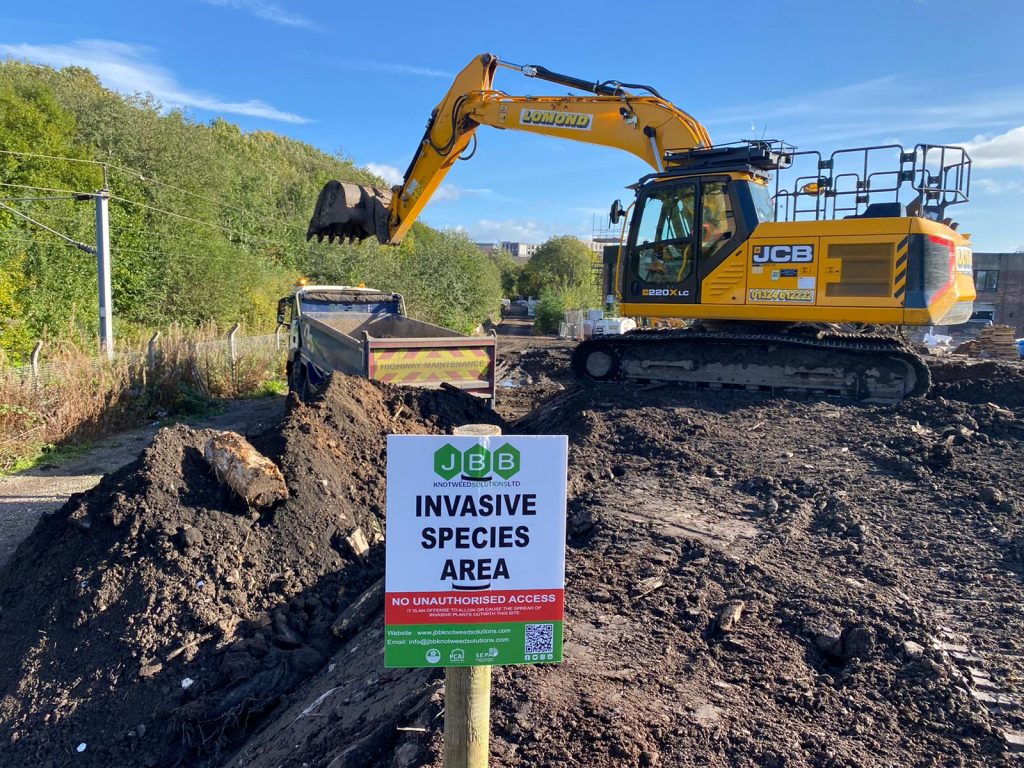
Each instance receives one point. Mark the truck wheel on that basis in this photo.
(299, 382)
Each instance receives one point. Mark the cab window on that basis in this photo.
(664, 242)
(764, 205)
(717, 223)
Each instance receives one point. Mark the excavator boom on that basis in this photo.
(644, 125)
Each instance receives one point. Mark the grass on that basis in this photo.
(79, 398)
(44, 455)
(272, 388)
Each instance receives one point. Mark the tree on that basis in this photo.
(561, 263)
(509, 270)
(207, 222)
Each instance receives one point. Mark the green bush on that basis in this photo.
(206, 221)
(549, 312)
(561, 262)
(555, 302)
(510, 273)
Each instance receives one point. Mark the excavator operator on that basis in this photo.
(665, 235)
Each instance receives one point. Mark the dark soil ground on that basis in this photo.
(158, 577)
(751, 581)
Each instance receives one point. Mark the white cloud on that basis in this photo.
(1005, 150)
(866, 111)
(998, 187)
(265, 9)
(389, 173)
(515, 230)
(123, 67)
(448, 193)
(388, 68)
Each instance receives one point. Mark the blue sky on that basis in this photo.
(362, 78)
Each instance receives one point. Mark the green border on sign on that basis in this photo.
(472, 645)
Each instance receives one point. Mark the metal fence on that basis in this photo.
(229, 349)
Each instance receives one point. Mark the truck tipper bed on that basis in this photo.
(366, 332)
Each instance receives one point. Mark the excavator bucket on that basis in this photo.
(350, 212)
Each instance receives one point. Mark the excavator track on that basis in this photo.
(857, 366)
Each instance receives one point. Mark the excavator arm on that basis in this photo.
(614, 116)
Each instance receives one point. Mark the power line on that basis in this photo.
(143, 177)
(49, 157)
(178, 215)
(239, 233)
(44, 189)
(129, 235)
(130, 171)
(213, 200)
(61, 235)
(30, 239)
(35, 199)
(164, 254)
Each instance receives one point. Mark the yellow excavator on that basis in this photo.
(793, 287)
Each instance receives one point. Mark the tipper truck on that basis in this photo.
(366, 332)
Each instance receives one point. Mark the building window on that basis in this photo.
(986, 280)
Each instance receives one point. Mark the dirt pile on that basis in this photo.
(530, 370)
(156, 619)
(751, 581)
(978, 382)
(872, 555)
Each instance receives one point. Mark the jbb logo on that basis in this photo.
(476, 463)
(783, 254)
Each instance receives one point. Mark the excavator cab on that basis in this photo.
(688, 219)
(758, 231)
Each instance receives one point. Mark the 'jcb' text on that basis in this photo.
(783, 254)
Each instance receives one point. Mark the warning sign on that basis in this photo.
(475, 562)
(426, 366)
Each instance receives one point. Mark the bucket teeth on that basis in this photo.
(350, 213)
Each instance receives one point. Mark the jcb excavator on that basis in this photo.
(766, 273)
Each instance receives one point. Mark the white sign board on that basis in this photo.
(475, 567)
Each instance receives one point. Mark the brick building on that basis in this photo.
(999, 279)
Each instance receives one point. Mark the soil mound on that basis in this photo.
(871, 549)
(156, 618)
(751, 581)
(978, 382)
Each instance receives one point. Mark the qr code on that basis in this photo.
(540, 638)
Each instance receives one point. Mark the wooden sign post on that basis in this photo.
(467, 690)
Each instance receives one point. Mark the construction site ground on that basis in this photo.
(752, 580)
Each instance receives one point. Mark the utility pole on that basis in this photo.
(102, 198)
(101, 251)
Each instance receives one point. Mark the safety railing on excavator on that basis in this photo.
(883, 180)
